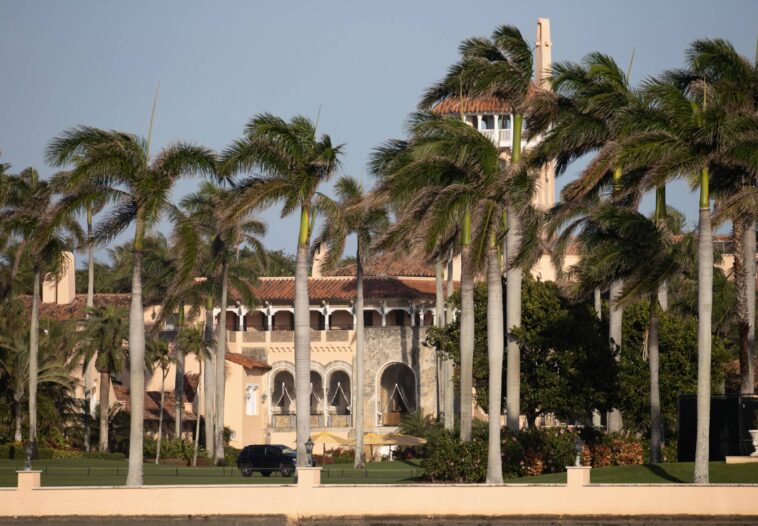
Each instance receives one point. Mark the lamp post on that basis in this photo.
(578, 446)
(29, 450)
(309, 451)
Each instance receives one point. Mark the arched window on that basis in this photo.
(397, 394)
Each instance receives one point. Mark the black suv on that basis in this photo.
(267, 459)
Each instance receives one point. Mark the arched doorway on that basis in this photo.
(283, 400)
(339, 399)
(397, 394)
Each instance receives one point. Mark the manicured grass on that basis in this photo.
(91, 472)
(673, 473)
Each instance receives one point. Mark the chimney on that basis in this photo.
(318, 260)
(543, 55)
(61, 290)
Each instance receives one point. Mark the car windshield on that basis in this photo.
(288, 451)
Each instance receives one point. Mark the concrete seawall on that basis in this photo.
(309, 500)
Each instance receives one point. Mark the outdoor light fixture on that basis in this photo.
(29, 450)
(578, 446)
(309, 450)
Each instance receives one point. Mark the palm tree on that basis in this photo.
(351, 215)
(193, 341)
(294, 162)
(736, 80)
(500, 67)
(113, 158)
(445, 177)
(90, 199)
(105, 334)
(590, 108)
(697, 135)
(158, 354)
(621, 244)
(224, 234)
(30, 213)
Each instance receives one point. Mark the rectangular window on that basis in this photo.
(251, 400)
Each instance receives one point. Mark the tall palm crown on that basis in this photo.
(500, 66)
(116, 159)
(293, 162)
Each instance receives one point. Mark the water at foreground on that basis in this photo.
(388, 521)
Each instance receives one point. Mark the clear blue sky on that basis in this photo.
(365, 64)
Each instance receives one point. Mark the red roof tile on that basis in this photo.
(152, 404)
(246, 361)
(76, 309)
(338, 288)
(476, 104)
(388, 265)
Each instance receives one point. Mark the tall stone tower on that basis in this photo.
(545, 197)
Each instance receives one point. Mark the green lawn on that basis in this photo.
(80, 472)
(90, 472)
(720, 473)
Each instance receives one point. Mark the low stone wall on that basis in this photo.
(310, 499)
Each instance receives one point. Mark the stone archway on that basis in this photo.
(397, 393)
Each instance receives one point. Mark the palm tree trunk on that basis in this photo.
(33, 356)
(655, 395)
(439, 318)
(749, 248)
(197, 415)
(513, 320)
(449, 379)
(495, 355)
(467, 330)
(704, 307)
(598, 304)
(179, 377)
(359, 366)
(105, 391)
(302, 343)
(164, 372)
(18, 407)
(218, 440)
(660, 219)
(209, 378)
(89, 366)
(741, 286)
(615, 317)
(137, 360)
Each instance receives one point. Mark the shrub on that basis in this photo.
(452, 461)
(173, 448)
(547, 449)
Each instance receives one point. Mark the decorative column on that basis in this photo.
(327, 315)
(384, 314)
(269, 316)
(413, 315)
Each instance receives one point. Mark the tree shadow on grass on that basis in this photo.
(662, 473)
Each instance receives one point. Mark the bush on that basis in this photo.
(449, 460)
(12, 450)
(547, 449)
(103, 455)
(173, 448)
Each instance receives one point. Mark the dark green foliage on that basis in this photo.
(678, 369)
(567, 367)
(173, 448)
(280, 263)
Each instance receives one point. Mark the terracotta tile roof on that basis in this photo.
(477, 104)
(338, 288)
(76, 309)
(246, 361)
(152, 404)
(388, 265)
(191, 382)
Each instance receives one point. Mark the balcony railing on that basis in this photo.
(289, 421)
(504, 136)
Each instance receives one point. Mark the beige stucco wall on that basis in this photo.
(308, 498)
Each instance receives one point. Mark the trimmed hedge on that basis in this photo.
(16, 451)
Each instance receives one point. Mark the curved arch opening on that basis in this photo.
(397, 394)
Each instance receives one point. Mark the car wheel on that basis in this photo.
(287, 470)
(246, 469)
(266, 472)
